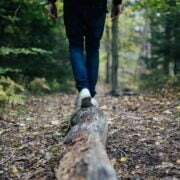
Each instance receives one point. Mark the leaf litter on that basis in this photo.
(143, 140)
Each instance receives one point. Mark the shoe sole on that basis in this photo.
(86, 102)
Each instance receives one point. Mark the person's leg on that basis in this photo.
(93, 33)
(75, 33)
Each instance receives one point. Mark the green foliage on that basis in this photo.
(3, 96)
(31, 45)
(55, 85)
(67, 87)
(4, 71)
(162, 33)
(8, 83)
(156, 80)
(130, 39)
(4, 51)
(39, 84)
(11, 92)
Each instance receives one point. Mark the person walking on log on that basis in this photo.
(84, 24)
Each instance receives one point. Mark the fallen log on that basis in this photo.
(86, 157)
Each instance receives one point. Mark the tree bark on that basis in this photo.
(108, 55)
(167, 53)
(86, 157)
(115, 56)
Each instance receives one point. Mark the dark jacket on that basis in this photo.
(114, 1)
(91, 3)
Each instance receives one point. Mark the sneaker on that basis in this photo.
(94, 102)
(83, 98)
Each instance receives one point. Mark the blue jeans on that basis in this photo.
(84, 28)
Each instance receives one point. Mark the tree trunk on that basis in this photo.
(176, 37)
(169, 28)
(167, 53)
(108, 55)
(86, 157)
(115, 56)
(176, 64)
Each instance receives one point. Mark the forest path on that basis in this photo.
(143, 135)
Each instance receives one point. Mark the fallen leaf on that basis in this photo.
(1, 131)
(167, 112)
(178, 108)
(157, 143)
(35, 133)
(123, 159)
(55, 122)
(84, 149)
(178, 161)
(14, 170)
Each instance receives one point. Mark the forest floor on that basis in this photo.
(142, 142)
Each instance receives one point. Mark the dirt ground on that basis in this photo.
(143, 140)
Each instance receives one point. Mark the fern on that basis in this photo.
(18, 88)
(4, 51)
(39, 84)
(7, 82)
(3, 95)
(4, 70)
(10, 91)
(16, 99)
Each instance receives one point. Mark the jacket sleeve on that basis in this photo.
(114, 1)
(117, 1)
(51, 1)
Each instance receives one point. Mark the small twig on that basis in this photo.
(7, 159)
(123, 153)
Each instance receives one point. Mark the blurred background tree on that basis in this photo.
(148, 44)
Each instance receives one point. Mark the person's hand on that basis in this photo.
(52, 11)
(116, 10)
